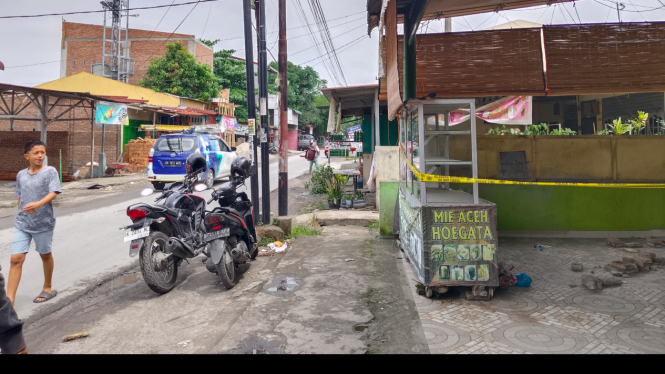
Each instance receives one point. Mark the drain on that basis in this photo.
(360, 328)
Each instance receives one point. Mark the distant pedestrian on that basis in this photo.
(36, 187)
(11, 328)
(314, 151)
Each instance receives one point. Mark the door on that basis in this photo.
(214, 156)
(171, 153)
(227, 157)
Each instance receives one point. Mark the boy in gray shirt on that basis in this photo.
(36, 187)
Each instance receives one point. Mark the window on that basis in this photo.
(83, 62)
(73, 62)
(176, 144)
(214, 145)
(223, 147)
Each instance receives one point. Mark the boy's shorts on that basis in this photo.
(22, 241)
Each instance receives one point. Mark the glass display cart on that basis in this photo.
(448, 234)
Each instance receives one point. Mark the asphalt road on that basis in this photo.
(87, 243)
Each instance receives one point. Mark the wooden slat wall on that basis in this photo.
(605, 58)
(481, 63)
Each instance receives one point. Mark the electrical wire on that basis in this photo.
(101, 11)
(317, 11)
(207, 18)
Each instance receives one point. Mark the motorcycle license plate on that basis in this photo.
(173, 164)
(137, 234)
(217, 234)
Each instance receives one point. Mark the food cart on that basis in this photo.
(449, 235)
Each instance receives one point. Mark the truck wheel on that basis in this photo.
(210, 178)
(226, 269)
(158, 281)
(158, 185)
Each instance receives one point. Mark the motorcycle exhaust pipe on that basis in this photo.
(240, 252)
(177, 248)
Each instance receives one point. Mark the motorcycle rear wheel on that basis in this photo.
(160, 282)
(226, 269)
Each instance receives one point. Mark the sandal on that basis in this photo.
(46, 296)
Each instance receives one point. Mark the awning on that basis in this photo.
(167, 128)
(190, 111)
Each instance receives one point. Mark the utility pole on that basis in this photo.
(251, 107)
(283, 171)
(263, 99)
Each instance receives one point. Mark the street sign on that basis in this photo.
(251, 127)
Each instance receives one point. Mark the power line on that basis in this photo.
(207, 18)
(101, 11)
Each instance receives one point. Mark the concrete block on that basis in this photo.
(592, 282)
(647, 254)
(285, 223)
(270, 231)
(609, 281)
(576, 266)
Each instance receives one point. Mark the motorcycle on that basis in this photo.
(166, 234)
(230, 228)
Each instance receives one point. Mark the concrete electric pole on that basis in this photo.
(251, 107)
(263, 108)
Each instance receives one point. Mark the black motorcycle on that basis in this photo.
(166, 234)
(230, 227)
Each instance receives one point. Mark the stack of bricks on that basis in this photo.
(136, 153)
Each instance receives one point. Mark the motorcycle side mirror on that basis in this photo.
(233, 149)
(147, 192)
(200, 187)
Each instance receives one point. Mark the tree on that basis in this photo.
(304, 94)
(178, 73)
(231, 74)
(209, 43)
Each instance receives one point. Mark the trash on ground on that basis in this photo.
(348, 259)
(96, 187)
(592, 282)
(523, 280)
(278, 248)
(78, 335)
(542, 247)
(576, 266)
(184, 343)
(88, 164)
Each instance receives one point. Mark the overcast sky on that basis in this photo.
(33, 41)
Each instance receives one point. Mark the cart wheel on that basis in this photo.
(490, 291)
(109, 172)
(429, 292)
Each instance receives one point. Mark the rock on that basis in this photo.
(285, 223)
(653, 242)
(270, 231)
(623, 265)
(614, 242)
(625, 275)
(631, 250)
(633, 245)
(576, 266)
(592, 282)
(654, 267)
(609, 268)
(608, 281)
(592, 272)
(650, 255)
(616, 273)
(628, 259)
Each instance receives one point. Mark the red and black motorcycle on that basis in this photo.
(166, 234)
(230, 227)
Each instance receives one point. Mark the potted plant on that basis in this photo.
(619, 128)
(347, 201)
(358, 199)
(334, 191)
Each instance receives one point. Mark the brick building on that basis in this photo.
(81, 47)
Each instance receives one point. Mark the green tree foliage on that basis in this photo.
(178, 73)
(231, 74)
(209, 43)
(304, 94)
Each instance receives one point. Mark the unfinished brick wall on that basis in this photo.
(84, 43)
(11, 150)
(73, 137)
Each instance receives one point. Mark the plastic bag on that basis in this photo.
(371, 184)
(523, 280)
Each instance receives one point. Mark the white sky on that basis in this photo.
(32, 41)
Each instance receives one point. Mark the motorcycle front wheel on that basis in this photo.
(226, 269)
(158, 281)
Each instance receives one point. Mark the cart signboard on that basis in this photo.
(460, 245)
(411, 235)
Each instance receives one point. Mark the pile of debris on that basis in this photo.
(242, 150)
(137, 150)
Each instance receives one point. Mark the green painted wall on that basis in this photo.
(131, 131)
(574, 208)
(388, 131)
(388, 197)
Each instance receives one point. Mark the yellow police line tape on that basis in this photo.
(447, 179)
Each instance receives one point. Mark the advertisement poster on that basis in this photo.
(251, 127)
(461, 245)
(410, 233)
(111, 114)
(514, 110)
(351, 130)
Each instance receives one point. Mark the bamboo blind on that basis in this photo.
(392, 69)
(605, 58)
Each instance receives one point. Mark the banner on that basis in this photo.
(111, 113)
(351, 130)
(251, 127)
(513, 110)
